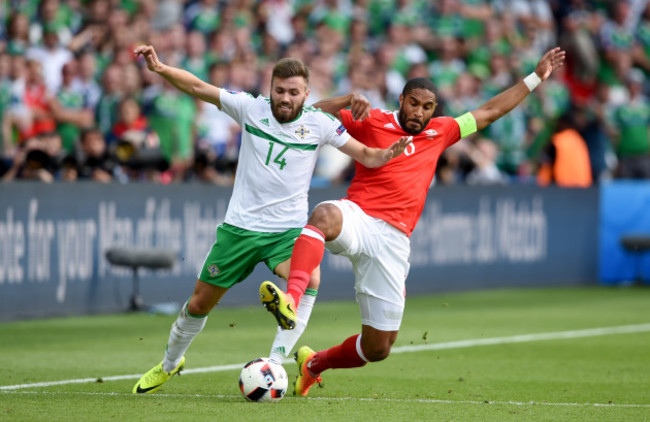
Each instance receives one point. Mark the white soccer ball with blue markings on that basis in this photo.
(263, 381)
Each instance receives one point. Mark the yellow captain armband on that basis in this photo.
(467, 124)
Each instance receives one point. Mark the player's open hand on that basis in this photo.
(552, 60)
(398, 147)
(150, 56)
(359, 106)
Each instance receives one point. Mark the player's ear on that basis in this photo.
(307, 93)
(401, 99)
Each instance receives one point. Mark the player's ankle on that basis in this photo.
(313, 374)
(294, 297)
(312, 371)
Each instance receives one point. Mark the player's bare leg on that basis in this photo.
(376, 344)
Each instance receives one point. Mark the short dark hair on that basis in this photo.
(288, 67)
(419, 83)
(90, 131)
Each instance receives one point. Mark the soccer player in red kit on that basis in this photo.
(372, 225)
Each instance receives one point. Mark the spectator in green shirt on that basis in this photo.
(69, 109)
(172, 117)
(632, 130)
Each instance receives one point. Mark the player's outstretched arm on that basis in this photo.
(374, 157)
(502, 103)
(359, 105)
(181, 79)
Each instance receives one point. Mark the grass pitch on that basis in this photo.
(538, 355)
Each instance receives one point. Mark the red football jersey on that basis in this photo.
(396, 192)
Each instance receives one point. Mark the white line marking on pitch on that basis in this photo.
(559, 335)
(369, 399)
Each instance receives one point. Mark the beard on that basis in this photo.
(283, 116)
(401, 116)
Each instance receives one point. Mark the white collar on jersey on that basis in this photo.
(396, 116)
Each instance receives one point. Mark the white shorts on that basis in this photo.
(379, 254)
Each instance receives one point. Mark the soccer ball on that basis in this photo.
(263, 381)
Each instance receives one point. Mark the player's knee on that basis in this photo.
(321, 216)
(326, 218)
(377, 353)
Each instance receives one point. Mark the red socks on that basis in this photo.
(346, 355)
(306, 256)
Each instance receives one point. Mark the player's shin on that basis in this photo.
(346, 355)
(307, 254)
(183, 331)
(285, 340)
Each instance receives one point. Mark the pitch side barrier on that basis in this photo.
(54, 238)
(624, 246)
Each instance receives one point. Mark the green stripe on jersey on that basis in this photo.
(257, 132)
(318, 110)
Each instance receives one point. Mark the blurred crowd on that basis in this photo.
(76, 104)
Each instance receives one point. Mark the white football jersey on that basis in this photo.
(276, 162)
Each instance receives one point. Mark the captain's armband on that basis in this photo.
(467, 124)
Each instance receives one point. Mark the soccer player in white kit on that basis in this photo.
(268, 207)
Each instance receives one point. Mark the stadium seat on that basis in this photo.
(136, 259)
(639, 245)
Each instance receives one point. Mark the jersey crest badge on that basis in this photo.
(430, 133)
(302, 131)
(213, 270)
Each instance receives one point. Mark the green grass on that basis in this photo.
(593, 378)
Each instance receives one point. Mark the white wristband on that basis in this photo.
(532, 81)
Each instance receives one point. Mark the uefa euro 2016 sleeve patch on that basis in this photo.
(340, 130)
